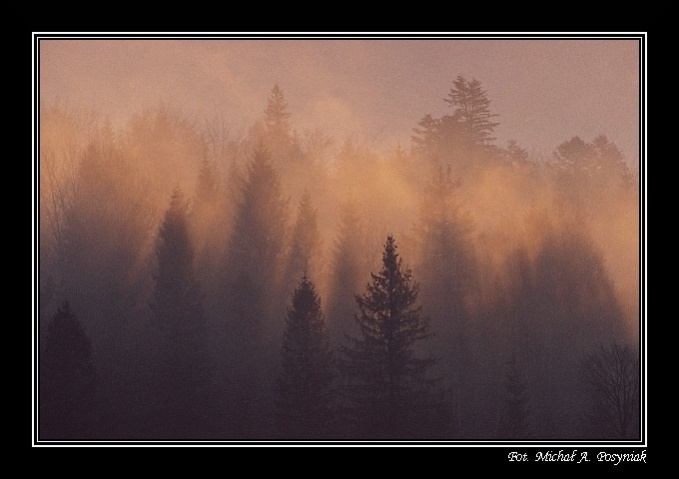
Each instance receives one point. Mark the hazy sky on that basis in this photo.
(545, 91)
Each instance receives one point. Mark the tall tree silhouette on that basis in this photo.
(102, 268)
(562, 303)
(68, 380)
(183, 396)
(447, 271)
(388, 393)
(305, 401)
(253, 293)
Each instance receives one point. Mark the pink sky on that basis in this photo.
(544, 90)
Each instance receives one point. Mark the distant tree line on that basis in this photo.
(198, 285)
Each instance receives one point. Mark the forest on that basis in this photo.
(276, 284)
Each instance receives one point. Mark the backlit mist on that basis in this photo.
(338, 239)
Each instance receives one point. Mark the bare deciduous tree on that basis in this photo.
(611, 375)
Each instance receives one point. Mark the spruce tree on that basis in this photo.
(304, 387)
(182, 396)
(387, 390)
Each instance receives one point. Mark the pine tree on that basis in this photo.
(183, 395)
(304, 388)
(68, 379)
(388, 393)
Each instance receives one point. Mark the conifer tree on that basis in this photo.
(387, 389)
(447, 270)
(304, 388)
(253, 295)
(280, 137)
(68, 379)
(472, 107)
(462, 135)
(183, 395)
(277, 114)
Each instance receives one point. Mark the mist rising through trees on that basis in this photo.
(225, 285)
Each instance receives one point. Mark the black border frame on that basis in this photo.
(529, 447)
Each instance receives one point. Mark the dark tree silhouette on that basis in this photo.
(611, 376)
(246, 359)
(105, 230)
(441, 140)
(388, 393)
(253, 294)
(305, 397)
(562, 303)
(447, 272)
(183, 402)
(514, 415)
(464, 135)
(68, 380)
(472, 108)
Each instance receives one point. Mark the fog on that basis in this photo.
(194, 234)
